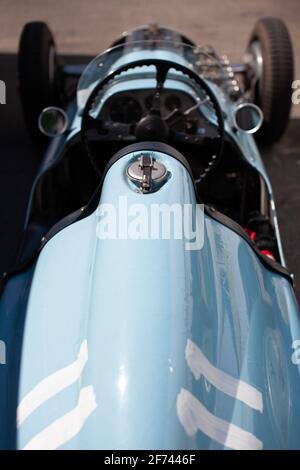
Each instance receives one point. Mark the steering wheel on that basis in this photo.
(153, 118)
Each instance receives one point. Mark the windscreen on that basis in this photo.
(200, 60)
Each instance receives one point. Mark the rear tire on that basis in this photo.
(273, 89)
(38, 70)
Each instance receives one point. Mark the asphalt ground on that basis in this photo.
(84, 28)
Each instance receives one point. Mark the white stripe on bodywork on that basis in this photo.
(233, 387)
(195, 417)
(52, 385)
(65, 428)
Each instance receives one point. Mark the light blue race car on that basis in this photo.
(150, 306)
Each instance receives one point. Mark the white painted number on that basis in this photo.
(296, 353)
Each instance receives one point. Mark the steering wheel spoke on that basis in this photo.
(161, 75)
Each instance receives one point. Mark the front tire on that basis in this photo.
(38, 71)
(270, 57)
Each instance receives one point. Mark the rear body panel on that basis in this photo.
(145, 344)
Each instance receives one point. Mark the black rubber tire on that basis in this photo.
(274, 94)
(36, 81)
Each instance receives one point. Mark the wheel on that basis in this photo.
(38, 70)
(271, 69)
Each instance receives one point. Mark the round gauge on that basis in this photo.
(172, 102)
(125, 109)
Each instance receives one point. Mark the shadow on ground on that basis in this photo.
(282, 162)
(19, 162)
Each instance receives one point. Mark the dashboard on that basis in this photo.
(122, 111)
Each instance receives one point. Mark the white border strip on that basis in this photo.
(194, 416)
(65, 428)
(233, 387)
(52, 385)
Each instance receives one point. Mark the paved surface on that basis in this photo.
(88, 27)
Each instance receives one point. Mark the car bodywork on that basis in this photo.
(120, 344)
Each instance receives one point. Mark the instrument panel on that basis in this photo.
(126, 107)
(122, 111)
